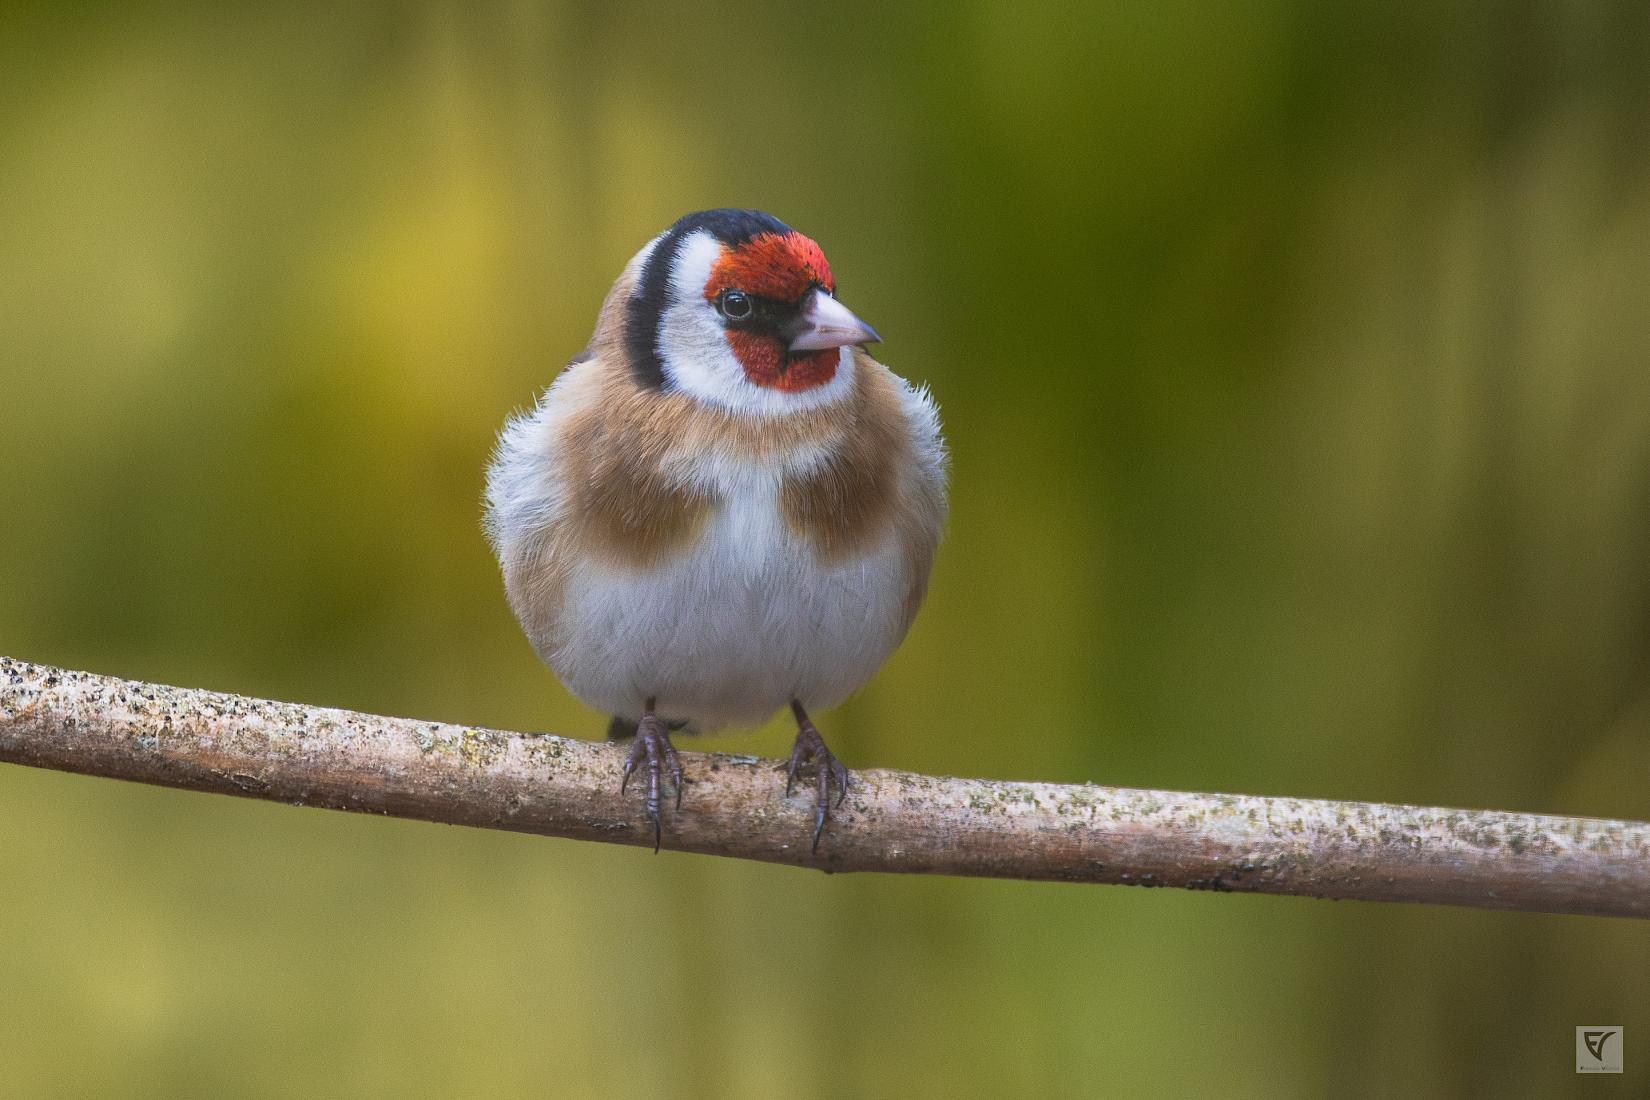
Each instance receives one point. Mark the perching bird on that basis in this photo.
(724, 506)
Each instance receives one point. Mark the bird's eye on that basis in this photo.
(735, 305)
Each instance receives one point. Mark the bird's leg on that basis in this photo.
(652, 745)
(826, 769)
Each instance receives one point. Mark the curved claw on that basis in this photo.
(827, 769)
(652, 746)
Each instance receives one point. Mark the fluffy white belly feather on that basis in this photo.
(735, 627)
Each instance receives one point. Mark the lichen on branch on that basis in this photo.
(891, 821)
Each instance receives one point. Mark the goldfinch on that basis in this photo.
(723, 506)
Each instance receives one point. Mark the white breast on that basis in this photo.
(737, 626)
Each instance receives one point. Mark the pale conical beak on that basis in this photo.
(827, 323)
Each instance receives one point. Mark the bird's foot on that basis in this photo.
(652, 747)
(827, 769)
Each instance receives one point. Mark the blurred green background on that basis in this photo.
(1296, 363)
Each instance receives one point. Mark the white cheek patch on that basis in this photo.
(694, 350)
(696, 355)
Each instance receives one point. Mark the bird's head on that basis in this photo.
(737, 309)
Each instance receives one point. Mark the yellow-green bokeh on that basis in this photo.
(1296, 363)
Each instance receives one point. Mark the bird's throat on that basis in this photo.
(767, 364)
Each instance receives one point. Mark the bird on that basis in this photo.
(723, 506)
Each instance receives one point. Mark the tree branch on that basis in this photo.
(892, 821)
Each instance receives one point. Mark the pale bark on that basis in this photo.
(891, 821)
